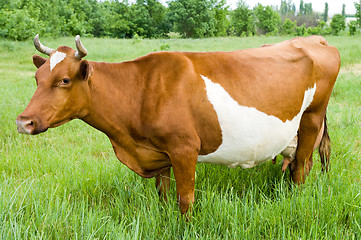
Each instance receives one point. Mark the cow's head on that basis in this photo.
(62, 92)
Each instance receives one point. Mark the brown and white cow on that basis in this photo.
(174, 109)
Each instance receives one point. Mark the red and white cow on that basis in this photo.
(174, 109)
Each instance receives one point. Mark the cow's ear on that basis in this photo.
(38, 61)
(86, 70)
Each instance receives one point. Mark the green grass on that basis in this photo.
(67, 184)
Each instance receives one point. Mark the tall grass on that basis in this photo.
(67, 184)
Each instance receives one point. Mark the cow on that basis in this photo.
(175, 109)
(322, 143)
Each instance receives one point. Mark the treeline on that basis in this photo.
(22, 19)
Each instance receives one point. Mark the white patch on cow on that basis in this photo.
(249, 136)
(56, 58)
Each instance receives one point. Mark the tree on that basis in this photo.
(308, 9)
(338, 23)
(283, 8)
(114, 22)
(344, 10)
(293, 8)
(149, 16)
(325, 13)
(287, 9)
(192, 18)
(267, 20)
(358, 12)
(301, 8)
(242, 22)
(220, 14)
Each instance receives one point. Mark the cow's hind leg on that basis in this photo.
(310, 126)
(162, 182)
(325, 148)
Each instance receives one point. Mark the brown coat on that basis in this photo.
(159, 112)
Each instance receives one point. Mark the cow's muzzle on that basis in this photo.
(29, 126)
(25, 127)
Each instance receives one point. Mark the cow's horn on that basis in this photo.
(40, 47)
(81, 49)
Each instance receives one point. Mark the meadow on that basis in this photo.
(67, 183)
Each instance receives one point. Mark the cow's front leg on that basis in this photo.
(162, 182)
(184, 168)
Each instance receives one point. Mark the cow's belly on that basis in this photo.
(249, 137)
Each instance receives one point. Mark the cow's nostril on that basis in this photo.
(26, 127)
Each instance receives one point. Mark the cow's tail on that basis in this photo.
(325, 148)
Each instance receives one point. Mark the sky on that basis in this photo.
(334, 6)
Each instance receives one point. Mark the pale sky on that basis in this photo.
(334, 6)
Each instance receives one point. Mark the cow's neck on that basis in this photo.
(115, 93)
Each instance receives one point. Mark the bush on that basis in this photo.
(19, 25)
(327, 31)
(352, 27)
(338, 23)
(313, 31)
(301, 30)
(288, 27)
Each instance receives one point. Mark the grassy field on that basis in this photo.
(67, 184)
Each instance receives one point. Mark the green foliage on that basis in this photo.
(313, 31)
(308, 10)
(267, 20)
(114, 20)
(322, 24)
(301, 30)
(18, 25)
(325, 13)
(22, 19)
(327, 31)
(148, 18)
(289, 27)
(242, 21)
(220, 14)
(352, 26)
(358, 12)
(192, 18)
(338, 23)
(305, 8)
(287, 9)
(164, 47)
(301, 12)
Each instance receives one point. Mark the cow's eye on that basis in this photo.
(65, 81)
